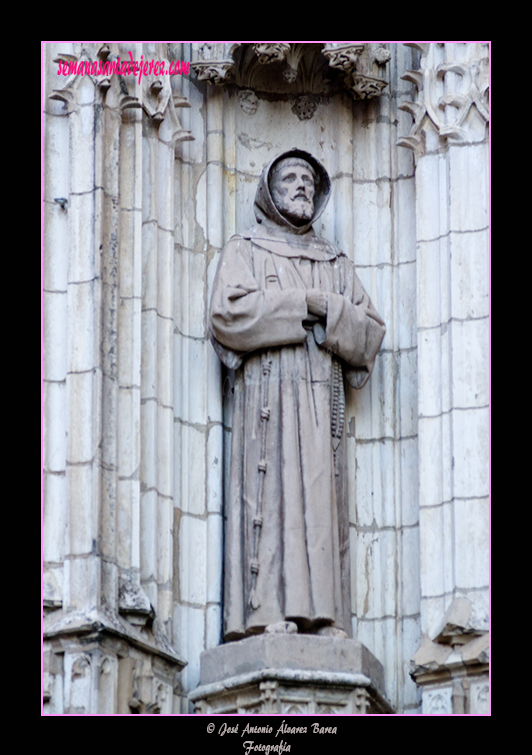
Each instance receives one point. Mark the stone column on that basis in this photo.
(449, 136)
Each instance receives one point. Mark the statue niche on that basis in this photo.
(290, 315)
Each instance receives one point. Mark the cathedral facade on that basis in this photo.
(151, 154)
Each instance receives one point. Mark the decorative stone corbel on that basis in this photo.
(213, 62)
(343, 56)
(356, 60)
(364, 87)
(269, 53)
(332, 675)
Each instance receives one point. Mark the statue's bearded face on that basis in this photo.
(292, 189)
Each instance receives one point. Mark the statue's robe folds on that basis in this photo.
(287, 531)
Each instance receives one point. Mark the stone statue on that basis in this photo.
(290, 315)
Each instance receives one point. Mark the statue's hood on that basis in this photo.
(277, 234)
(267, 213)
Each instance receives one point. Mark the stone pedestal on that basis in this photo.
(290, 674)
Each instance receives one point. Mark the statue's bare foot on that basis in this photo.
(281, 627)
(332, 632)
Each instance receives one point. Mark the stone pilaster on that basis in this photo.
(450, 140)
(371, 218)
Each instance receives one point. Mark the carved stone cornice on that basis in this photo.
(294, 68)
(452, 98)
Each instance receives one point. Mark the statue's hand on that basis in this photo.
(317, 302)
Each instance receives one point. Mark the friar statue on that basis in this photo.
(290, 315)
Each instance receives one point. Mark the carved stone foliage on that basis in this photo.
(268, 53)
(295, 69)
(452, 85)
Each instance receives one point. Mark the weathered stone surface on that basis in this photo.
(138, 410)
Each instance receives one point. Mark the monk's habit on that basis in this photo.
(286, 518)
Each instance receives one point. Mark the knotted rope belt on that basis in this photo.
(257, 520)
